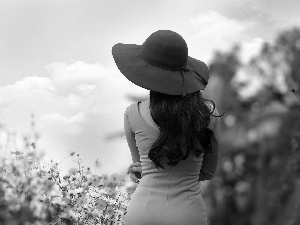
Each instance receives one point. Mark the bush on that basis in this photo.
(30, 194)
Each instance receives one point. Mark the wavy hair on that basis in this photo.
(183, 124)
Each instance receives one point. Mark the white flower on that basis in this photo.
(82, 200)
(114, 178)
(73, 214)
(108, 190)
(72, 171)
(38, 209)
(78, 190)
(59, 201)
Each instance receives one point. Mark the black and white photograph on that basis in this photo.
(161, 112)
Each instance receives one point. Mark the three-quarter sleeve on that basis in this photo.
(210, 160)
(130, 137)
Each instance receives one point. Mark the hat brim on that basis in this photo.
(138, 71)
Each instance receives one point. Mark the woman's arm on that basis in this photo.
(130, 139)
(210, 160)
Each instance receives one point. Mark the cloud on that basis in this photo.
(85, 89)
(281, 11)
(250, 49)
(213, 31)
(213, 23)
(75, 107)
(69, 124)
(32, 86)
(75, 76)
(31, 94)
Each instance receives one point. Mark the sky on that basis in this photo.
(56, 62)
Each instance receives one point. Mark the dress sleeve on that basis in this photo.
(210, 160)
(130, 137)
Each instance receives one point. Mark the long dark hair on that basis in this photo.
(183, 124)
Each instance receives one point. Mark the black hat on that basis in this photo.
(161, 64)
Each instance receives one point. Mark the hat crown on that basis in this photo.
(166, 48)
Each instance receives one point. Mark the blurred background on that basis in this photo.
(60, 89)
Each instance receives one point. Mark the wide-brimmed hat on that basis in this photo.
(161, 64)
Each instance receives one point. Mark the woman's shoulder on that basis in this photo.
(129, 114)
(130, 108)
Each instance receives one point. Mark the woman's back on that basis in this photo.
(169, 196)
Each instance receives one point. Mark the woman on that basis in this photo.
(174, 136)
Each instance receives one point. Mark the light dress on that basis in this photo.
(171, 196)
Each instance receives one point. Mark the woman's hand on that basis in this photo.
(135, 170)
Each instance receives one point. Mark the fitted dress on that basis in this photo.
(171, 196)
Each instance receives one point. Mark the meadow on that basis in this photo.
(31, 193)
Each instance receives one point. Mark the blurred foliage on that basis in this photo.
(258, 177)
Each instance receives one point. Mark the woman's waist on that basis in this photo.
(169, 182)
(191, 170)
(186, 176)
